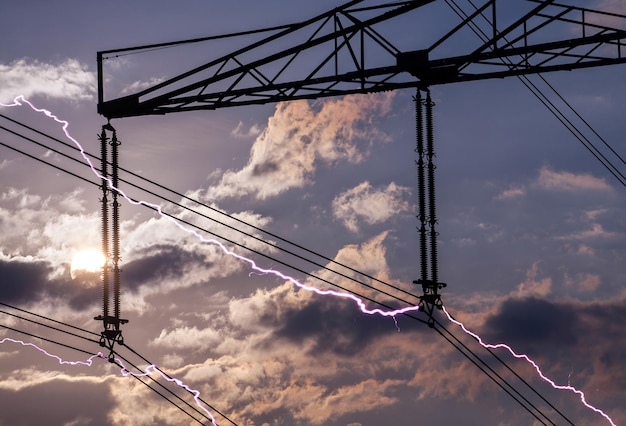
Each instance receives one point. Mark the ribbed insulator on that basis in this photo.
(431, 190)
(421, 185)
(105, 226)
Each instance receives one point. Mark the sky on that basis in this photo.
(531, 234)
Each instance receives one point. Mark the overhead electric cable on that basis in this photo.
(188, 223)
(241, 221)
(198, 411)
(487, 367)
(569, 125)
(285, 264)
(47, 339)
(197, 227)
(501, 361)
(49, 319)
(49, 326)
(170, 377)
(229, 226)
(145, 383)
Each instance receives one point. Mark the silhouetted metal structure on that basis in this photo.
(111, 323)
(341, 52)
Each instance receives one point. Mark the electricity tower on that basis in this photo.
(342, 52)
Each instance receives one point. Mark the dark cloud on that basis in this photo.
(335, 325)
(22, 281)
(65, 403)
(264, 168)
(158, 262)
(531, 322)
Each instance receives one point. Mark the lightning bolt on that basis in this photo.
(540, 373)
(252, 264)
(153, 368)
(86, 363)
(123, 371)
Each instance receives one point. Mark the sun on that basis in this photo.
(86, 261)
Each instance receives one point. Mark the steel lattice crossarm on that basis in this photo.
(342, 52)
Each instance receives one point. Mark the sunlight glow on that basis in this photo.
(89, 260)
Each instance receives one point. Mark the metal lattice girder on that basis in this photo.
(341, 52)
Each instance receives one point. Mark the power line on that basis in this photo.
(49, 319)
(49, 326)
(559, 115)
(231, 241)
(501, 361)
(170, 377)
(243, 246)
(215, 210)
(164, 387)
(487, 370)
(269, 257)
(47, 339)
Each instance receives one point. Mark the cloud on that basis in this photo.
(298, 137)
(139, 85)
(67, 80)
(532, 286)
(65, 401)
(240, 132)
(364, 203)
(611, 6)
(53, 228)
(566, 181)
(22, 279)
(27, 280)
(513, 192)
(186, 337)
(584, 283)
(159, 262)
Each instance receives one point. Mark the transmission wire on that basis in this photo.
(216, 211)
(49, 319)
(170, 377)
(188, 223)
(295, 268)
(569, 125)
(92, 354)
(264, 255)
(217, 235)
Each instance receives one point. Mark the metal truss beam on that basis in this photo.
(340, 52)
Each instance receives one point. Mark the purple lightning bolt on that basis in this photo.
(567, 387)
(360, 302)
(86, 363)
(153, 368)
(124, 371)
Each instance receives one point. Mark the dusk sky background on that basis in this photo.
(532, 233)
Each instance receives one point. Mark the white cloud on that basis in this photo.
(596, 232)
(298, 137)
(511, 193)
(52, 228)
(566, 181)
(532, 286)
(67, 80)
(368, 258)
(240, 132)
(187, 338)
(28, 377)
(610, 6)
(139, 85)
(364, 203)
